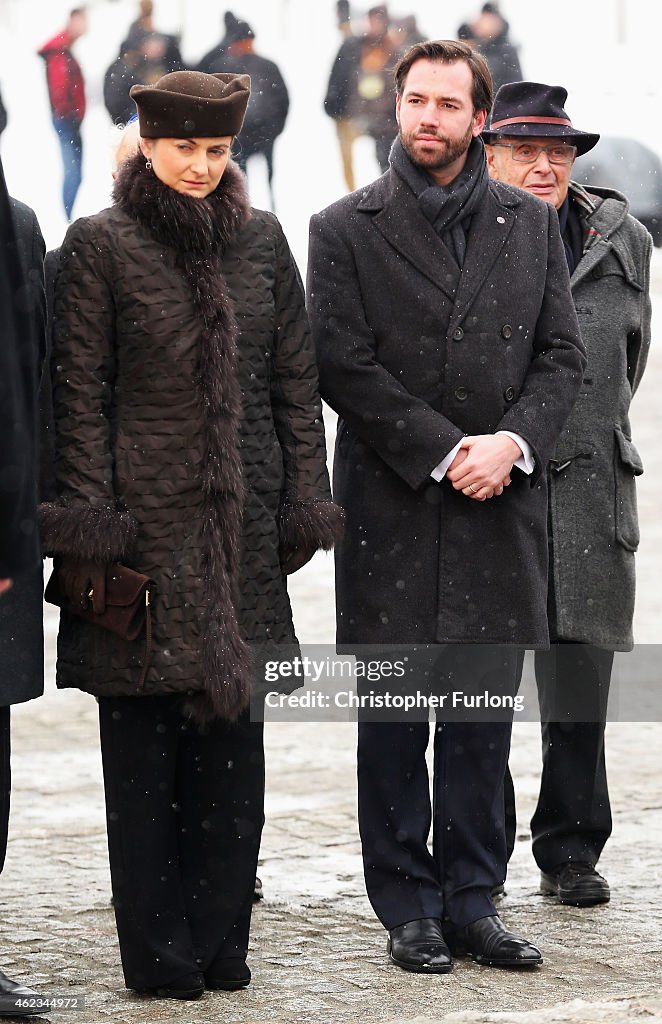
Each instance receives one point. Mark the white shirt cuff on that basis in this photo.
(526, 461)
(439, 472)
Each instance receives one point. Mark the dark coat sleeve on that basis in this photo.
(408, 434)
(341, 79)
(278, 101)
(85, 521)
(555, 374)
(22, 351)
(308, 517)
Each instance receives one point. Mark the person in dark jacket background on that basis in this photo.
(22, 310)
(66, 91)
(594, 531)
(184, 361)
(491, 33)
(269, 103)
(360, 95)
(144, 57)
(144, 27)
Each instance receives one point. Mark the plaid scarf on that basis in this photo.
(587, 206)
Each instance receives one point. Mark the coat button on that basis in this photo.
(509, 393)
(506, 331)
(461, 394)
(458, 334)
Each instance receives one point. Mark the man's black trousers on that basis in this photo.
(404, 880)
(185, 809)
(572, 821)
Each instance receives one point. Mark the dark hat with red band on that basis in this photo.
(534, 110)
(190, 104)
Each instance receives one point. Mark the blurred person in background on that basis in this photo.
(66, 91)
(491, 32)
(143, 27)
(360, 95)
(407, 32)
(183, 361)
(269, 103)
(22, 309)
(144, 57)
(593, 527)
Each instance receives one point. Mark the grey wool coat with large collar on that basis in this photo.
(593, 506)
(412, 355)
(189, 437)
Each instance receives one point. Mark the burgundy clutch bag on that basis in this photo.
(127, 612)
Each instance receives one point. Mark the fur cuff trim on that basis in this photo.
(313, 524)
(95, 532)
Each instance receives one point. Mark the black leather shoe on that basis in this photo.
(420, 946)
(487, 941)
(258, 893)
(576, 884)
(189, 986)
(228, 975)
(13, 993)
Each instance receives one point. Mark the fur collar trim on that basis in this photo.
(200, 226)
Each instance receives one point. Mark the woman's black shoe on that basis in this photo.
(189, 986)
(228, 975)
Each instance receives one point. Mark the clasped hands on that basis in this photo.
(481, 469)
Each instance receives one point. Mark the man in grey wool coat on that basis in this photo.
(594, 532)
(448, 344)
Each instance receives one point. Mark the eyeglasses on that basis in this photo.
(525, 153)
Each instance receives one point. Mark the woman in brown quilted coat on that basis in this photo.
(190, 447)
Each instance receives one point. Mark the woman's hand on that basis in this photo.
(297, 559)
(84, 581)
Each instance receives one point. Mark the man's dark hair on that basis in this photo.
(77, 10)
(448, 51)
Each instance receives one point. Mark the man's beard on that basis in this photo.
(439, 157)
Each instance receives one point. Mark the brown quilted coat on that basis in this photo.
(189, 434)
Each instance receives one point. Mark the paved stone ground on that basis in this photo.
(318, 953)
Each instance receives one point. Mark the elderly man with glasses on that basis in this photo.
(593, 529)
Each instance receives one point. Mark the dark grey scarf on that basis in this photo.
(447, 207)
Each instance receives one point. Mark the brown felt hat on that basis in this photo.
(190, 104)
